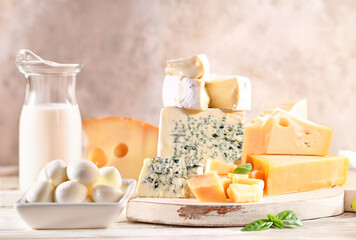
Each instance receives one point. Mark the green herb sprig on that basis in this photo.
(243, 169)
(285, 219)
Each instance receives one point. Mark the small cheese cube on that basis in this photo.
(229, 92)
(225, 181)
(194, 67)
(207, 187)
(219, 167)
(187, 93)
(288, 174)
(248, 181)
(257, 174)
(231, 175)
(242, 193)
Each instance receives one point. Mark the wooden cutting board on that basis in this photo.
(191, 212)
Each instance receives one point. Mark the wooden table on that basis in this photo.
(12, 227)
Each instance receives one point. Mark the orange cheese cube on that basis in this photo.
(242, 193)
(207, 187)
(120, 142)
(248, 181)
(225, 181)
(219, 167)
(288, 174)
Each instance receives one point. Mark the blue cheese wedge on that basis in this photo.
(163, 177)
(196, 136)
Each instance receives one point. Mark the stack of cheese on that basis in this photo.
(202, 118)
(295, 151)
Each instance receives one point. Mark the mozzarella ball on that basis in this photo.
(83, 171)
(71, 191)
(40, 191)
(106, 193)
(54, 172)
(109, 176)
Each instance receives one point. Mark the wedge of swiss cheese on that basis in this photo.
(288, 174)
(120, 142)
(286, 131)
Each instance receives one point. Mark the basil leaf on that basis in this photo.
(276, 222)
(287, 215)
(243, 169)
(293, 223)
(258, 225)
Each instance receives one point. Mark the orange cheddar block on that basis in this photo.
(225, 181)
(284, 133)
(242, 193)
(219, 167)
(288, 174)
(257, 174)
(248, 181)
(207, 187)
(121, 142)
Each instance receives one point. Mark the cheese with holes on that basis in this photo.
(184, 93)
(120, 142)
(219, 167)
(243, 193)
(285, 133)
(196, 136)
(254, 131)
(163, 177)
(194, 67)
(207, 187)
(288, 174)
(230, 92)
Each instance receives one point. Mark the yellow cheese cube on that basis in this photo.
(242, 193)
(288, 174)
(248, 181)
(207, 187)
(225, 181)
(231, 175)
(219, 167)
(120, 142)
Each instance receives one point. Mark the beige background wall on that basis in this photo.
(289, 49)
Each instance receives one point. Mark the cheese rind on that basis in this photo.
(104, 136)
(163, 177)
(194, 67)
(196, 136)
(187, 93)
(288, 174)
(207, 187)
(229, 92)
(284, 133)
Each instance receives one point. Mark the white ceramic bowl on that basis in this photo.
(74, 215)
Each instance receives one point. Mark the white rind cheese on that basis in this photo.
(196, 136)
(230, 92)
(194, 67)
(184, 93)
(163, 177)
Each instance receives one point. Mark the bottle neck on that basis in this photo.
(50, 89)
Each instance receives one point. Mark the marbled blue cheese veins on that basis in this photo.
(196, 136)
(163, 177)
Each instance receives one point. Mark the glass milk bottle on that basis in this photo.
(50, 122)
